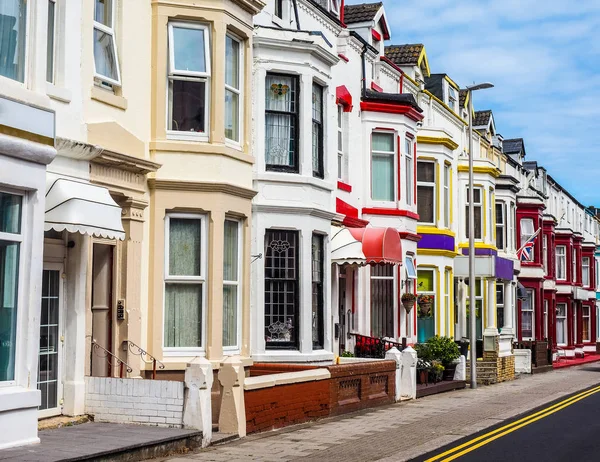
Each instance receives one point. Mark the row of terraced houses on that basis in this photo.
(260, 180)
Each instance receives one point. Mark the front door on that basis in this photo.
(50, 355)
(102, 362)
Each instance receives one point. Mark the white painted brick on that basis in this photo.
(173, 421)
(158, 419)
(140, 419)
(173, 408)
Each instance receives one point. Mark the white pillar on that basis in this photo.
(408, 374)
(509, 309)
(491, 331)
(197, 410)
(462, 312)
(393, 354)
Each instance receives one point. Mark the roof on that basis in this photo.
(482, 118)
(513, 146)
(404, 54)
(399, 98)
(361, 13)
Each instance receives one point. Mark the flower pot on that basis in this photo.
(408, 304)
(424, 308)
(423, 376)
(449, 372)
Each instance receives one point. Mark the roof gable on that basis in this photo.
(409, 55)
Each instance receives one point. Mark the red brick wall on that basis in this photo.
(283, 405)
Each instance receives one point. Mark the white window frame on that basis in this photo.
(19, 238)
(564, 319)
(573, 264)
(545, 319)
(174, 74)
(238, 284)
(561, 255)
(545, 253)
(428, 184)
(500, 289)
(391, 154)
(476, 205)
(585, 308)
(511, 220)
(55, 2)
(201, 280)
(447, 175)
(530, 310)
(447, 282)
(341, 144)
(501, 225)
(411, 270)
(585, 266)
(410, 170)
(491, 214)
(452, 100)
(238, 91)
(110, 31)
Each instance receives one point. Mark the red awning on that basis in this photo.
(344, 98)
(380, 245)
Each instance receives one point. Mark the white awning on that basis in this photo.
(81, 207)
(345, 249)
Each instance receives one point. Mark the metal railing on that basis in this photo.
(102, 352)
(373, 347)
(137, 350)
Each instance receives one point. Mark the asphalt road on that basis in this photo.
(567, 430)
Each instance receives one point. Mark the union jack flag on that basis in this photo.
(525, 253)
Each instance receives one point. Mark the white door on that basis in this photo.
(51, 337)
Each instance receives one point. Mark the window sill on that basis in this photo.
(187, 136)
(58, 93)
(296, 178)
(233, 145)
(16, 397)
(179, 353)
(106, 97)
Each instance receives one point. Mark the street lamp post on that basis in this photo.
(473, 317)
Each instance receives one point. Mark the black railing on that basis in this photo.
(135, 349)
(373, 347)
(102, 352)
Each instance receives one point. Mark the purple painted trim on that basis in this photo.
(485, 252)
(436, 241)
(504, 268)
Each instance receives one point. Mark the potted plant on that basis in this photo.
(425, 302)
(445, 351)
(408, 301)
(423, 368)
(436, 371)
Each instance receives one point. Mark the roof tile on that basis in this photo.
(361, 13)
(404, 54)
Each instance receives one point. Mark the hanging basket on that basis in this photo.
(408, 304)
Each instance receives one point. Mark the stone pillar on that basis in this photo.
(490, 333)
(460, 373)
(509, 309)
(393, 354)
(197, 412)
(408, 380)
(232, 418)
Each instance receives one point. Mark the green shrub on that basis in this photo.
(443, 349)
(423, 352)
(347, 354)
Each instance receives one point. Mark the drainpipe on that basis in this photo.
(295, 2)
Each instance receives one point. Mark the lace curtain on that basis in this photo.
(230, 283)
(280, 143)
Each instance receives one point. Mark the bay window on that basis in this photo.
(426, 191)
(233, 88)
(317, 130)
(11, 237)
(477, 214)
(561, 323)
(382, 300)
(50, 39)
(585, 271)
(501, 243)
(13, 29)
(185, 276)
(382, 166)
(189, 78)
(281, 289)
(231, 284)
(317, 253)
(561, 262)
(410, 168)
(281, 123)
(106, 60)
(527, 315)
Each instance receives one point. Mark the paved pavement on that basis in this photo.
(407, 430)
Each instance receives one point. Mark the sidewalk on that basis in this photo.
(402, 431)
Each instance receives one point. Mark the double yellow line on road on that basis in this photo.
(482, 440)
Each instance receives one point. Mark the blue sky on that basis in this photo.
(543, 57)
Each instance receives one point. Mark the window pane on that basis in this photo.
(280, 93)
(232, 115)
(10, 213)
(188, 49)
(382, 179)
(382, 301)
(183, 315)
(231, 246)
(230, 313)
(9, 273)
(105, 55)
(184, 247)
(383, 142)
(280, 140)
(188, 105)
(50, 43)
(317, 103)
(425, 172)
(424, 281)
(317, 291)
(103, 12)
(232, 62)
(13, 16)
(425, 199)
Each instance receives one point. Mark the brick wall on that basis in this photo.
(361, 385)
(283, 405)
(258, 369)
(139, 401)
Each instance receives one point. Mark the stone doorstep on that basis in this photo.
(60, 421)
